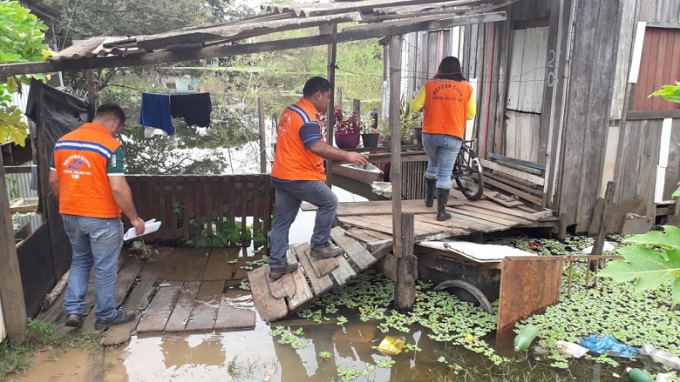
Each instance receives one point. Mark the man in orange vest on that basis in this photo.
(298, 175)
(88, 180)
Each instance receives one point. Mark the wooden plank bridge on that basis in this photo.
(182, 290)
(365, 234)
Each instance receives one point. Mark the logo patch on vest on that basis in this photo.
(73, 166)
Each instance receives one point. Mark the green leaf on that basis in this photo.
(675, 300)
(669, 239)
(649, 267)
(11, 126)
(676, 194)
(669, 92)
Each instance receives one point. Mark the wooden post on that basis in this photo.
(92, 89)
(602, 232)
(395, 142)
(332, 54)
(263, 140)
(11, 289)
(356, 106)
(407, 266)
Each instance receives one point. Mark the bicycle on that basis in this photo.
(467, 172)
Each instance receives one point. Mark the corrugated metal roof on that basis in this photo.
(276, 18)
(372, 18)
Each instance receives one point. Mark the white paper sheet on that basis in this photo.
(150, 226)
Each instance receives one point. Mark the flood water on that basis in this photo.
(333, 352)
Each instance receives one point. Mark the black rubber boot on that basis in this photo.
(429, 198)
(442, 199)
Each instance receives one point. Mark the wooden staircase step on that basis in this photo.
(354, 250)
(275, 299)
(320, 285)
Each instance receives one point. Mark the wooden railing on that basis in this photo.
(194, 206)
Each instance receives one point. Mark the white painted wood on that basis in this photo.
(611, 151)
(3, 331)
(637, 52)
(515, 79)
(469, 125)
(521, 135)
(527, 69)
(541, 64)
(511, 171)
(664, 151)
(659, 186)
(511, 135)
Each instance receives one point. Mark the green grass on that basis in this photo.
(15, 358)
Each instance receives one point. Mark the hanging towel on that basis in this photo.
(195, 108)
(155, 112)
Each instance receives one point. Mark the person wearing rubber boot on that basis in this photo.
(87, 177)
(448, 103)
(298, 175)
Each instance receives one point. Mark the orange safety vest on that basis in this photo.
(446, 104)
(80, 159)
(293, 161)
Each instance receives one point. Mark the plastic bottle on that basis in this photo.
(525, 337)
(661, 356)
(639, 375)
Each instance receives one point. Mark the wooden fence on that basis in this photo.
(194, 206)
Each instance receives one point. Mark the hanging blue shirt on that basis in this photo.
(155, 112)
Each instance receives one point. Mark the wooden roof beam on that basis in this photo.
(367, 31)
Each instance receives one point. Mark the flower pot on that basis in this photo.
(347, 141)
(370, 139)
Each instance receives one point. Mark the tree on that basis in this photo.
(654, 257)
(88, 18)
(22, 41)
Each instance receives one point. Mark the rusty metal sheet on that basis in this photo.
(528, 286)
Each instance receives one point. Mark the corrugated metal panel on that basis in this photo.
(19, 186)
(660, 66)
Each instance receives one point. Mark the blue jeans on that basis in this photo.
(289, 195)
(441, 151)
(95, 241)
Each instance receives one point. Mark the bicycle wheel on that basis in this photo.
(467, 172)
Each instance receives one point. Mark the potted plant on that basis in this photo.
(347, 131)
(409, 124)
(370, 137)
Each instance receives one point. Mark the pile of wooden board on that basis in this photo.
(516, 177)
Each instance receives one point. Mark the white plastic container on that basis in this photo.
(571, 349)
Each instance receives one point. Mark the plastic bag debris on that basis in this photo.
(609, 345)
(382, 188)
(608, 247)
(391, 345)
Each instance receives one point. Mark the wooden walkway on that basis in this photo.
(179, 290)
(365, 233)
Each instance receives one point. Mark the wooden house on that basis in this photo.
(562, 89)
